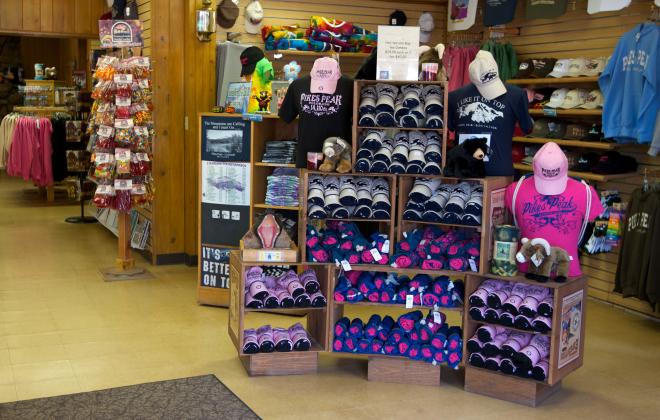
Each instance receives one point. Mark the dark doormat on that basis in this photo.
(200, 397)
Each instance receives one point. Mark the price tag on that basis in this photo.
(105, 190)
(143, 61)
(473, 265)
(121, 101)
(142, 156)
(105, 131)
(345, 265)
(141, 131)
(385, 249)
(123, 154)
(124, 123)
(101, 158)
(550, 112)
(123, 78)
(270, 256)
(437, 318)
(409, 301)
(536, 260)
(138, 189)
(143, 83)
(376, 254)
(123, 184)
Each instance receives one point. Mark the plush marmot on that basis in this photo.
(543, 259)
(337, 155)
(433, 55)
(466, 160)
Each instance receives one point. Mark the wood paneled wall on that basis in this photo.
(578, 34)
(51, 17)
(199, 72)
(66, 54)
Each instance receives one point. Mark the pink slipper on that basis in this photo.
(299, 338)
(265, 339)
(255, 284)
(282, 340)
(250, 343)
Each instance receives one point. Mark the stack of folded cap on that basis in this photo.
(412, 106)
(535, 68)
(287, 290)
(431, 201)
(511, 352)
(409, 152)
(435, 249)
(414, 335)
(608, 163)
(575, 98)
(520, 305)
(282, 187)
(331, 197)
(280, 151)
(343, 242)
(356, 286)
(577, 67)
(267, 340)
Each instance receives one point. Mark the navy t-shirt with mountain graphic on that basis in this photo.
(471, 115)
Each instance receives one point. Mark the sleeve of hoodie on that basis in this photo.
(605, 78)
(650, 102)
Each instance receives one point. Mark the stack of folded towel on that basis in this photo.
(408, 152)
(348, 197)
(412, 106)
(432, 201)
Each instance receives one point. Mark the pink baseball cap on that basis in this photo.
(550, 170)
(325, 74)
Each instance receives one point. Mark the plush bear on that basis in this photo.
(433, 55)
(542, 259)
(466, 160)
(337, 155)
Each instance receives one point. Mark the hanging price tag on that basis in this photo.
(123, 184)
(385, 249)
(143, 83)
(550, 112)
(409, 301)
(473, 265)
(121, 101)
(123, 78)
(105, 190)
(537, 260)
(437, 318)
(105, 131)
(345, 265)
(376, 254)
(141, 131)
(124, 123)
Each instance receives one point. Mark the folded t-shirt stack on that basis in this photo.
(408, 152)
(414, 335)
(282, 188)
(412, 106)
(346, 196)
(279, 151)
(430, 200)
(388, 288)
(435, 249)
(342, 241)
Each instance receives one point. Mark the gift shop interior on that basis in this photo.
(455, 203)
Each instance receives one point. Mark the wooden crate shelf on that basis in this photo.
(269, 206)
(400, 306)
(400, 128)
(585, 175)
(554, 81)
(599, 145)
(299, 53)
(275, 165)
(480, 323)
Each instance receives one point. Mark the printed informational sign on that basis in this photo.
(571, 328)
(226, 183)
(497, 207)
(214, 267)
(397, 55)
(120, 33)
(225, 139)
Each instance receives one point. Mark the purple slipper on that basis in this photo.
(265, 339)
(255, 284)
(282, 340)
(289, 281)
(250, 343)
(310, 282)
(299, 337)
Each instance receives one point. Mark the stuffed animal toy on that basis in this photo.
(543, 258)
(433, 55)
(466, 160)
(291, 71)
(337, 152)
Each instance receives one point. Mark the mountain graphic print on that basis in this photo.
(479, 112)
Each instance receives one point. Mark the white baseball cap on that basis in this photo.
(594, 100)
(484, 74)
(254, 15)
(597, 6)
(577, 67)
(557, 98)
(574, 98)
(561, 68)
(594, 66)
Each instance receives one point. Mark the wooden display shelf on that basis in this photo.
(319, 53)
(402, 370)
(585, 175)
(489, 184)
(507, 387)
(352, 219)
(569, 299)
(304, 218)
(357, 129)
(600, 145)
(268, 206)
(403, 271)
(399, 306)
(569, 112)
(41, 109)
(440, 224)
(275, 165)
(480, 323)
(289, 363)
(554, 81)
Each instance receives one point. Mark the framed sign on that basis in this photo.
(225, 139)
(214, 267)
(120, 33)
(397, 55)
(571, 328)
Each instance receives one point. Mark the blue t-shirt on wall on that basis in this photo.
(472, 115)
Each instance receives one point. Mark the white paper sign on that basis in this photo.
(398, 53)
(409, 301)
(226, 183)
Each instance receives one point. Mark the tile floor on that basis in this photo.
(64, 330)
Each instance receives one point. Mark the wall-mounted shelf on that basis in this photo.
(569, 112)
(553, 81)
(585, 175)
(275, 165)
(268, 206)
(600, 145)
(319, 53)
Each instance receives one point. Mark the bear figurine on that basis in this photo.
(466, 160)
(542, 259)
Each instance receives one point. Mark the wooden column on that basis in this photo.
(124, 258)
